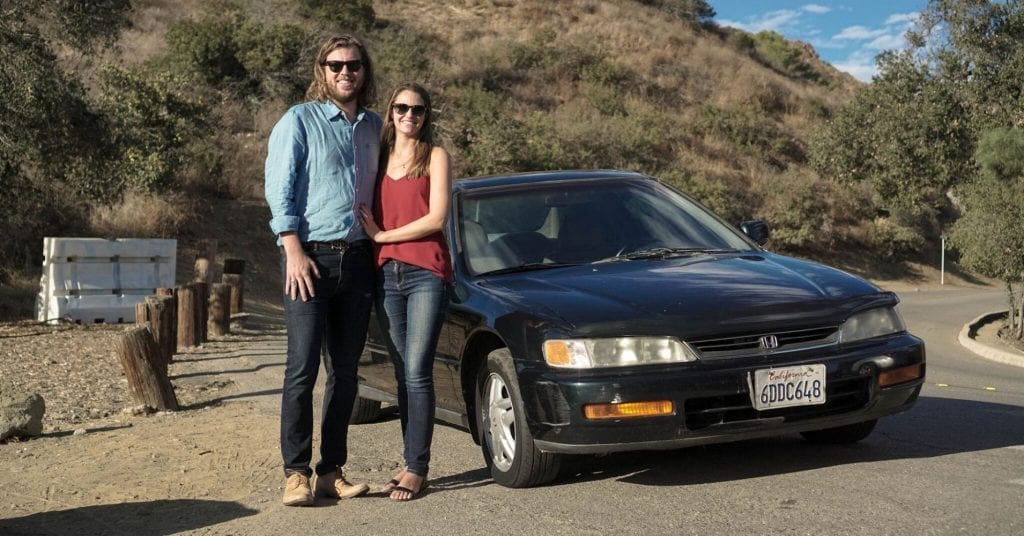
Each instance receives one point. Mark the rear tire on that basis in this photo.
(851, 433)
(364, 411)
(505, 439)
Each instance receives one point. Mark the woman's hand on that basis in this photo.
(369, 225)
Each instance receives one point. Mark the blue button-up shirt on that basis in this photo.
(320, 168)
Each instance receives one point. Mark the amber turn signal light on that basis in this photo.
(627, 410)
(900, 375)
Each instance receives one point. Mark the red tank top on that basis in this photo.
(399, 202)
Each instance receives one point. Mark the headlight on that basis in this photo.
(617, 352)
(872, 323)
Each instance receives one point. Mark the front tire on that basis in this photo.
(364, 411)
(851, 433)
(505, 439)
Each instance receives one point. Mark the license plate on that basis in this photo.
(785, 387)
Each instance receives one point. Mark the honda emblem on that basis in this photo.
(769, 342)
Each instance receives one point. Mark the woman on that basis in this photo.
(411, 207)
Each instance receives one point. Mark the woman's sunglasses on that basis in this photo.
(402, 109)
(354, 66)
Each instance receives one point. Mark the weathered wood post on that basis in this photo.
(172, 305)
(201, 309)
(156, 313)
(161, 310)
(234, 269)
(219, 322)
(147, 378)
(188, 331)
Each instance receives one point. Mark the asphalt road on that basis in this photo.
(954, 464)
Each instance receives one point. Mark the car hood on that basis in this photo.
(689, 296)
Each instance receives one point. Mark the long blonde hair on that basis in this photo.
(420, 165)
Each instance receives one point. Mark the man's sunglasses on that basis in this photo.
(354, 66)
(402, 109)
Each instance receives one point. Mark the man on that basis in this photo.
(321, 166)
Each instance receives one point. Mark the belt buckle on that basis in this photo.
(338, 245)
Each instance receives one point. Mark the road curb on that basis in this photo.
(967, 335)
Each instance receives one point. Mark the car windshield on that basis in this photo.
(539, 226)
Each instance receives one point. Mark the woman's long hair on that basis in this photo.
(318, 90)
(420, 165)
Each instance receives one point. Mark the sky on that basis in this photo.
(846, 33)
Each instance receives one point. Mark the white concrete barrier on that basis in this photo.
(98, 280)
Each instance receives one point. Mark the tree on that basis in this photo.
(989, 235)
(49, 136)
(912, 132)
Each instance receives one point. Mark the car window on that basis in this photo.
(577, 221)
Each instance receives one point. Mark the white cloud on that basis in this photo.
(860, 64)
(858, 33)
(887, 42)
(816, 9)
(900, 18)
(773, 20)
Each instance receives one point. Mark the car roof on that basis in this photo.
(511, 179)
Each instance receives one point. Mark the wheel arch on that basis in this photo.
(474, 356)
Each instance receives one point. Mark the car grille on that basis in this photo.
(766, 343)
(842, 395)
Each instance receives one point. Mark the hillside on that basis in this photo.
(724, 115)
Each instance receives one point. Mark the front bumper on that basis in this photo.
(711, 399)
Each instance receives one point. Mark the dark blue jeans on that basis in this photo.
(411, 303)
(334, 320)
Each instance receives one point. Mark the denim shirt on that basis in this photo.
(319, 169)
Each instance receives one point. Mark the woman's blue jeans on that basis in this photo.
(411, 303)
(334, 320)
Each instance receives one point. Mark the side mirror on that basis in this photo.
(757, 230)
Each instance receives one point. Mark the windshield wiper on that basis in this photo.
(665, 253)
(528, 267)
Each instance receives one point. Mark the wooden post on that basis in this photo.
(147, 378)
(234, 269)
(201, 309)
(188, 331)
(155, 313)
(161, 318)
(172, 305)
(234, 281)
(206, 253)
(219, 322)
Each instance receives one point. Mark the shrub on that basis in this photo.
(695, 11)
(776, 52)
(487, 135)
(206, 48)
(339, 15)
(275, 58)
(750, 132)
(154, 122)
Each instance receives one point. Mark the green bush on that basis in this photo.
(487, 136)
(276, 57)
(154, 121)
(750, 132)
(776, 52)
(339, 15)
(696, 11)
(206, 48)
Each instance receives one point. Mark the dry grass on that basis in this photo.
(141, 215)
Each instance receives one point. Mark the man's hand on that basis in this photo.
(300, 269)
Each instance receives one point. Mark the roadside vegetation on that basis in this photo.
(118, 117)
